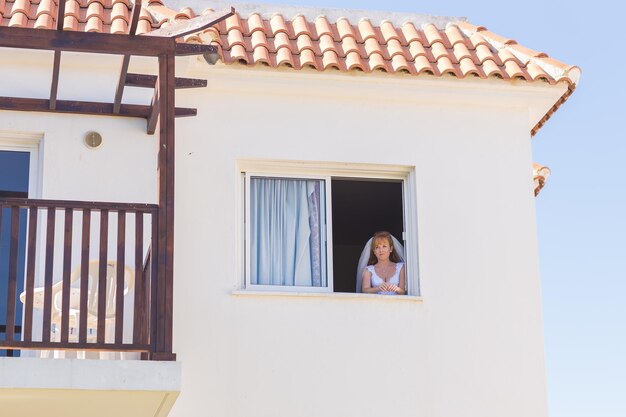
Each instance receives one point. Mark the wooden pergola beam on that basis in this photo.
(149, 81)
(119, 91)
(154, 112)
(85, 107)
(134, 17)
(185, 49)
(132, 29)
(197, 24)
(56, 65)
(89, 42)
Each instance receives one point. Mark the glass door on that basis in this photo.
(14, 171)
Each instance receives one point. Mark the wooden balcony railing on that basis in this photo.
(79, 276)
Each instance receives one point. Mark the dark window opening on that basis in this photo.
(14, 168)
(361, 207)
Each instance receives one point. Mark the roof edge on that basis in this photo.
(267, 10)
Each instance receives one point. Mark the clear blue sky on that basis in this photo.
(582, 211)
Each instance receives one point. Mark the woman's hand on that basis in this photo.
(395, 288)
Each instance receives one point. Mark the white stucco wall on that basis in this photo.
(123, 169)
(471, 346)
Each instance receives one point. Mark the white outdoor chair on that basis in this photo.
(92, 301)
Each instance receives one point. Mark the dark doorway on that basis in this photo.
(14, 167)
(361, 207)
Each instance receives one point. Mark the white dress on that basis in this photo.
(365, 256)
(378, 281)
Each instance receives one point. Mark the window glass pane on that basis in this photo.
(287, 232)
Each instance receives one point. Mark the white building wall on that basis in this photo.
(472, 345)
(123, 169)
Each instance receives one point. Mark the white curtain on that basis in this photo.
(286, 220)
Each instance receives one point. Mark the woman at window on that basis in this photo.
(385, 272)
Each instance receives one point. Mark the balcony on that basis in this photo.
(81, 282)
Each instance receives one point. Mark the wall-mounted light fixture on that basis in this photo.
(211, 58)
(210, 38)
(93, 140)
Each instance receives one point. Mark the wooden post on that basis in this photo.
(165, 277)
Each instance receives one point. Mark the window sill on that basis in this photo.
(330, 295)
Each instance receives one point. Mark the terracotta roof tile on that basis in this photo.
(72, 8)
(354, 61)
(490, 68)
(366, 30)
(388, 31)
(282, 41)
(330, 60)
(416, 49)
(300, 26)
(467, 67)
(18, 19)
(238, 54)
(536, 73)
(349, 45)
(484, 53)
(460, 51)
(258, 39)
(394, 47)
(322, 27)
(20, 6)
(143, 26)
(44, 7)
(506, 55)
(513, 70)
(94, 24)
(95, 9)
(256, 23)
(438, 50)
(434, 35)
(344, 29)
(455, 36)
(277, 24)
(378, 62)
(234, 37)
(400, 64)
(308, 60)
(120, 11)
(284, 57)
(423, 65)
(70, 23)
(119, 25)
(44, 21)
(445, 66)
(476, 39)
(261, 55)
(411, 34)
(497, 39)
(457, 48)
(326, 43)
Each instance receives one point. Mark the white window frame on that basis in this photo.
(327, 249)
(327, 172)
(26, 142)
